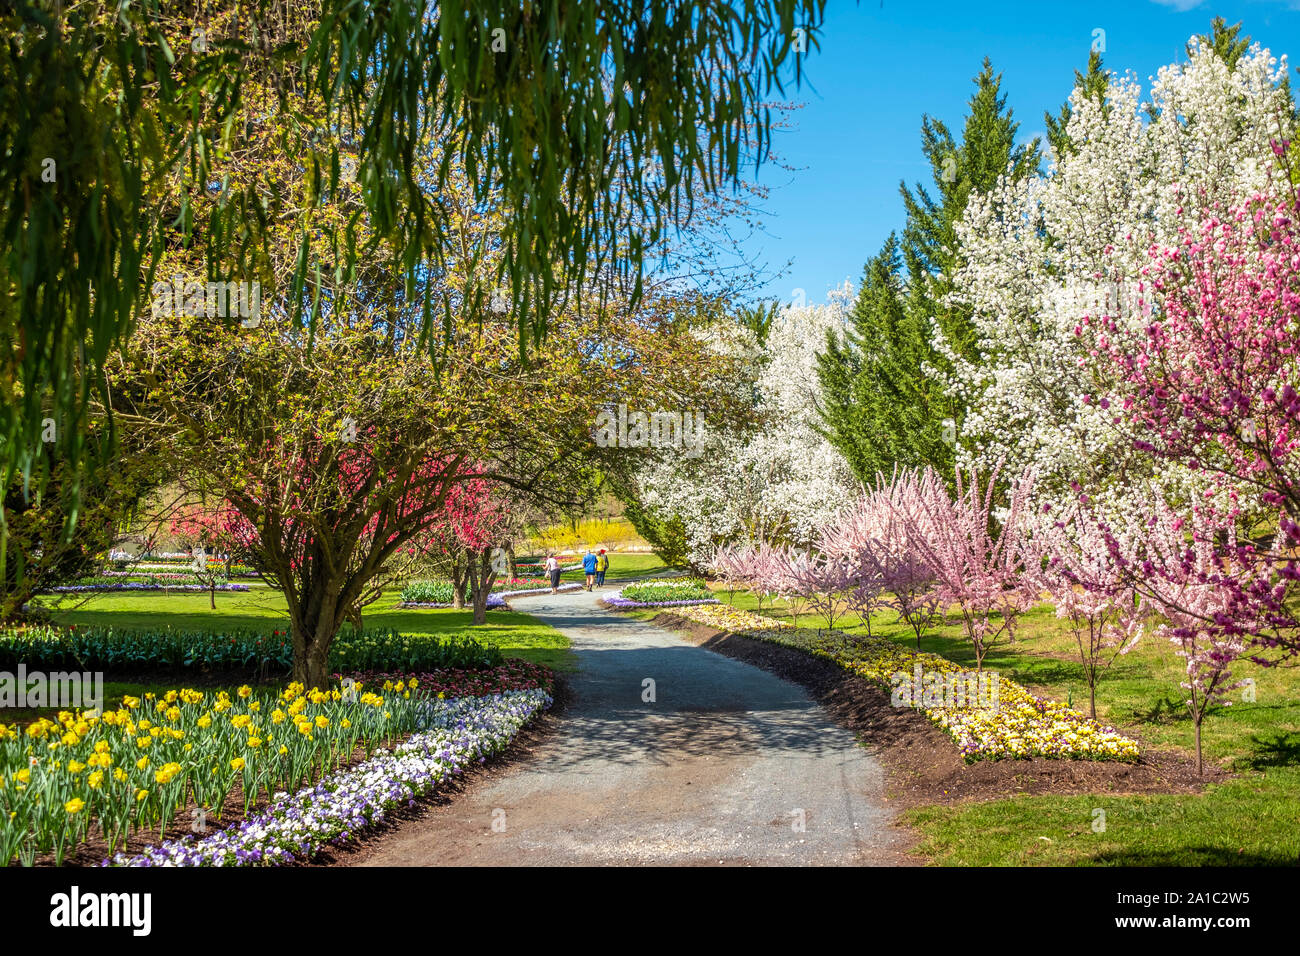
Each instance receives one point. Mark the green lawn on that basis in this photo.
(1254, 818)
(260, 608)
(516, 634)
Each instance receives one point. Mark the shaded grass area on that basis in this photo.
(1251, 819)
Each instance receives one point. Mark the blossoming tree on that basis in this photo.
(1086, 576)
(978, 554)
(776, 481)
(1040, 253)
(1209, 384)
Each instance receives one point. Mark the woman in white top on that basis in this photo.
(553, 569)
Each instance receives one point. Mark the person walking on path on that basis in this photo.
(589, 567)
(602, 565)
(553, 569)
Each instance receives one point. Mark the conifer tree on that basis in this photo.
(883, 397)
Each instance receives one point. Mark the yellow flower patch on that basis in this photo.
(1019, 725)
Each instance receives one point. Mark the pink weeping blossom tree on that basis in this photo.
(767, 572)
(852, 547)
(762, 569)
(787, 579)
(875, 537)
(907, 581)
(728, 566)
(978, 555)
(1212, 382)
(826, 583)
(1086, 574)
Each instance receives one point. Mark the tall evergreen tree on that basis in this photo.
(880, 404)
(1093, 84)
(1225, 41)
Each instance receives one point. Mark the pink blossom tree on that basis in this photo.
(1212, 382)
(854, 542)
(787, 577)
(727, 565)
(1086, 575)
(978, 556)
(826, 583)
(907, 580)
(221, 531)
(1182, 571)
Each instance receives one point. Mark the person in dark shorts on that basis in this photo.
(589, 568)
(602, 565)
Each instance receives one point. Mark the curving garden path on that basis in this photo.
(717, 769)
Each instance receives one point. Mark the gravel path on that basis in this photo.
(721, 767)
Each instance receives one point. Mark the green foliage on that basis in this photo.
(880, 407)
(596, 124)
(758, 319)
(1225, 41)
(46, 547)
(666, 536)
(1093, 84)
(170, 648)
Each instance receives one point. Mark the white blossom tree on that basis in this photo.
(1041, 252)
(776, 483)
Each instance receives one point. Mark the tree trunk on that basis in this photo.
(313, 624)
(481, 577)
(1198, 748)
(1092, 698)
(458, 581)
(212, 592)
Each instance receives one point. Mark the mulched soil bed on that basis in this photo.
(924, 765)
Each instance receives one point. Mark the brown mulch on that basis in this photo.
(923, 763)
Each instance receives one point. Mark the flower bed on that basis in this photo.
(459, 732)
(494, 601)
(107, 648)
(621, 603)
(511, 585)
(570, 586)
(1020, 725)
(141, 586)
(662, 594)
(727, 618)
(132, 767)
(140, 576)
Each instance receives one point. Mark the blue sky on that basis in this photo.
(881, 65)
